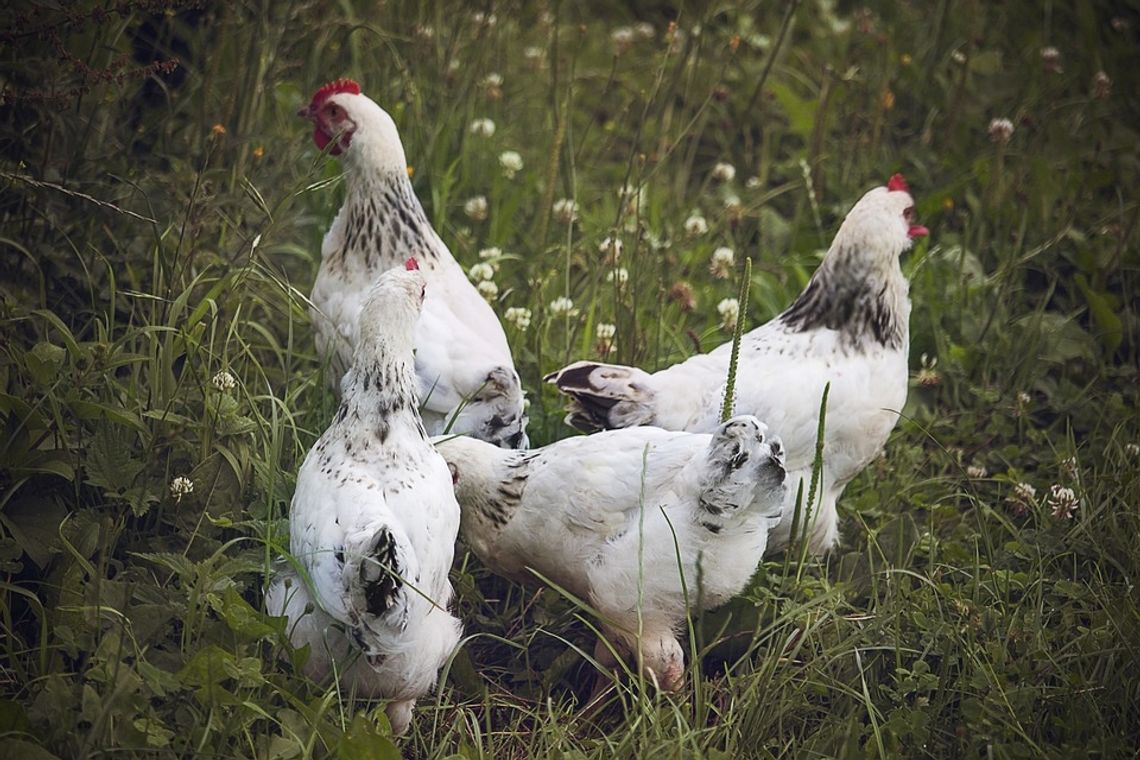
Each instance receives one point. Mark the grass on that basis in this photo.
(154, 235)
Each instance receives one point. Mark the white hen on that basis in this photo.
(465, 374)
(849, 328)
(373, 523)
(621, 518)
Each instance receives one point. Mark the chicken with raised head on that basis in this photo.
(466, 378)
(373, 524)
(849, 329)
(643, 524)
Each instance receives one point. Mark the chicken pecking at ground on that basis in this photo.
(373, 524)
(632, 520)
(466, 377)
(848, 328)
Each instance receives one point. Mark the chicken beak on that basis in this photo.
(917, 230)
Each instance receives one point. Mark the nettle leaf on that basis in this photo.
(365, 741)
(109, 463)
(44, 362)
(207, 670)
(186, 570)
(157, 734)
(244, 620)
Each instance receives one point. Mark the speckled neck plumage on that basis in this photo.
(385, 223)
(380, 395)
(867, 305)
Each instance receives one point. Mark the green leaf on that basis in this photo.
(1110, 329)
(24, 750)
(244, 620)
(364, 741)
(109, 463)
(44, 362)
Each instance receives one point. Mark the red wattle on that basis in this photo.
(917, 230)
(411, 264)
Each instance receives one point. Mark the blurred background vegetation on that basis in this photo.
(161, 211)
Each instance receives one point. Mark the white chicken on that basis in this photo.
(848, 328)
(466, 377)
(641, 523)
(373, 523)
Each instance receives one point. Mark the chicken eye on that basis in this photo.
(333, 110)
(908, 214)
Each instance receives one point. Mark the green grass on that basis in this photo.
(145, 251)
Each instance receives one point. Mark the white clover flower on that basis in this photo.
(493, 80)
(723, 172)
(1001, 130)
(958, 57)
(729, 311)
(619, 275)
(732, 204)
(722, 262)
(518, 316)
(562, 307)
(224, 381)
(534, 56)
(488, 289)
(425, 31)
(611, 246)
(1024, 492)
(1101, 86)
(181, 486)
(482, 127)
(1023, 398)
(622, 39)
(1132, 450)
(605, 331)
(928, 376)
(484, 19)
(491, 254)
(632, 197)
(481, 272)
(752, 182)
(1051, 60)
(511, 162)
(1063, 501)
(566, 210)
(696, 225)
(1070, 468)
(476, 208)
(644, 30)
(976, 472)
(1024, 497)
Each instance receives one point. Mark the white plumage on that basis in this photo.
(373, 524)
(466, 377)
(618, 518)
(848, 328)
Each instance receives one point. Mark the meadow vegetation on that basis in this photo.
(160, 227)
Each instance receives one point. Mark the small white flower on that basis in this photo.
(729, 311)
(534, 56)
(696, 225)
(481, 272)
(518, 316)
(605, 331)
(732, 204)
(1101, 86)
(1024, 497)
(493, 80)
(511, 162)
(622, 39)
(484, 19)
(181, 486)
(1001, 130)
(1070, 468)
(1063, 501)
(928, 376)
(488, 289)
(958, 57)
(1023, 399)
(724, 172)
(632, 198)
(566, 210)
(476, 208)
(224, 381)
(482, 127)
(562, 307)
(752, 182)
(619, 275)
(425, 32)
(1024, 492)
(644, 30)
(1132, 450)
(976, 472)
(491, 254)
(1051, 60)
(722, 263)
(611, 246)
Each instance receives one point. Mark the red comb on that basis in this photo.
(896, 183)
(335, 88)
(411, 265)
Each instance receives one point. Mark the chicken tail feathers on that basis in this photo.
(605, 396)
(381, 573)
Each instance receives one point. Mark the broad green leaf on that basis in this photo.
(364, 741)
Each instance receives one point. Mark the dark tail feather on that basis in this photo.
(604, 396)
